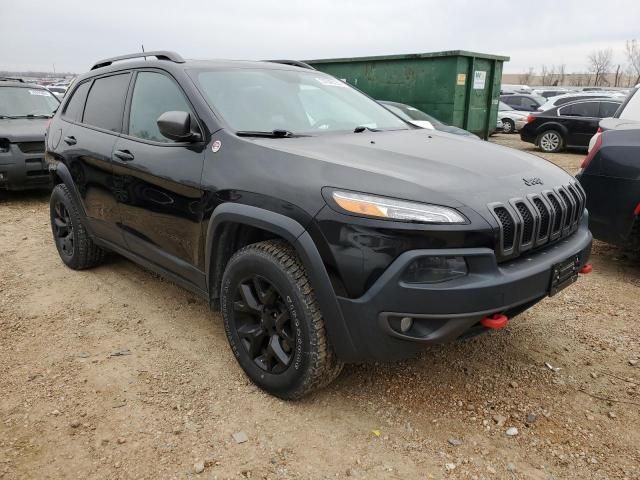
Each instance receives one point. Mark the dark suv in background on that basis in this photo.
(325, 228)
(25, 110)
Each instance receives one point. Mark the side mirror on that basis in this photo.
(177, 126)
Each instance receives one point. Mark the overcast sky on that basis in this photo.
(72, 34)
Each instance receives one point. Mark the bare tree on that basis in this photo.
(526, 78)
(633, 56)
(544, 75)
(600, 62)
(561, 74)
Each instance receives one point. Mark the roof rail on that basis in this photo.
(295, 63)
(159, 54)
(11, 79)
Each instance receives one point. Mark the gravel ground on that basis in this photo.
(117, 373)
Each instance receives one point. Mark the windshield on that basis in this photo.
(503, 106)
(22, 102)
(296, 101)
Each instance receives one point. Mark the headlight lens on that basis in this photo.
(389, 208)
(435, 269)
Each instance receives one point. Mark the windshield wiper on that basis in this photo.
(277, 133)
(30, 115)
(362, 128)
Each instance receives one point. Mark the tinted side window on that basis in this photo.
(608, 109)
(587, 109)
(512, 100)
(105, 102)
(75, 105)
(153, 95)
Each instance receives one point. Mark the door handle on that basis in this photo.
(70, 140)
(124, 155)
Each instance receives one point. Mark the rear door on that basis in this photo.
(92, 121)
(581, 120)
(158, 180)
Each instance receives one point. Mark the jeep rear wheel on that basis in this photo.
(75, 247)
(273, 322)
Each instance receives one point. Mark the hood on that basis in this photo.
(23, 129)
(423, 165)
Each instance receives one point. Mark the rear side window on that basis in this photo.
(153, 95)
(631, 110)
(105, 102)
(587, 109)
(75, 105)
(608, 109)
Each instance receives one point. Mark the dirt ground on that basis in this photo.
(115, 373)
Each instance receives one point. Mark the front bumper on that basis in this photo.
(520, 124)
(20, 170)
(443, 312)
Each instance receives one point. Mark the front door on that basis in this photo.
(157, 181)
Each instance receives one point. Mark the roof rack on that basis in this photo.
(295, 63)
(11, 79)
(159, 54)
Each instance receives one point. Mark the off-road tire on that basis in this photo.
(313, 362)
(84, 253)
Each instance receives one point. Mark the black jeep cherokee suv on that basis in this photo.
(325, 228)
(25, 110)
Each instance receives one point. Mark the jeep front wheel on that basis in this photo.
(273, 322)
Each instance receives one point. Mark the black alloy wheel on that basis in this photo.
(63, 229)
(263, 323)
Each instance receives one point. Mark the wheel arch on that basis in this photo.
(558, 127)
(230, 221)
(60, 173)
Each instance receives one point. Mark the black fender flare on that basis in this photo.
(294, 233)
(61, 171)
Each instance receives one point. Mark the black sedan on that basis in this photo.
(569, 126)
(610, 176)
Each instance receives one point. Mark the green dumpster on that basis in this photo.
(457, 87)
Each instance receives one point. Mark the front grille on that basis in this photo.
(538, 219)
(508, 227)
(527, 222)
(31, 147)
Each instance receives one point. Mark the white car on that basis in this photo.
(512, 120)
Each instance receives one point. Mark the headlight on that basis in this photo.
(389, 208)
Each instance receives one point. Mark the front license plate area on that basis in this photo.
(564, 274)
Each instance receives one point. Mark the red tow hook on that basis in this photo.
(495, 321)
(588, 268)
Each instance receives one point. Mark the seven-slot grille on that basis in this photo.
(538, 219)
